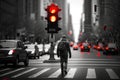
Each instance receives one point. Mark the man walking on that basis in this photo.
(63, 51)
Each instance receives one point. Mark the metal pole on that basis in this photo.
(52, 49)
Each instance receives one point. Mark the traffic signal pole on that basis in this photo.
(52, 26)
(52, 47)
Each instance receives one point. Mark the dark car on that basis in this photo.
(13, 51)
(110, 49)
(85, 47)
(100, 47)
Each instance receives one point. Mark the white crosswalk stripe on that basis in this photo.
(11, 72)
(112, 74)
(23, 73)
(55, 74)
(91, 74)
(39, 73)
(71, 73)
(5, 69)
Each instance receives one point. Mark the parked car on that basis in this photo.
(111, 48)
(85, 47)
(13, 51)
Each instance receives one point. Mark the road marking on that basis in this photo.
(55, 74)
(5, 69)
(12, 72)
(23, 72)
(91, 73)
(71, 73)
(112, 74)
(39, 73)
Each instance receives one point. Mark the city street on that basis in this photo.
(32, 32)
(91, 65)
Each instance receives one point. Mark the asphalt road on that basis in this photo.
(82, 66)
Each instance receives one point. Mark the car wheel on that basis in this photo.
(26, 62)
(16, 62)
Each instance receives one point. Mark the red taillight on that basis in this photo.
(82, 47)
(89, 46)
(106, 48)
(98, 47)
(95, 46)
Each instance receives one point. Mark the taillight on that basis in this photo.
(98, 47)
(11, 52)
(106, 48)
(82, 47)
(89, 46)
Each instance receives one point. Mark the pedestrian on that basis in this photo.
(63, 51)
(36, 52)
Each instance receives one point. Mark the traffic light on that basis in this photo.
(52, 18)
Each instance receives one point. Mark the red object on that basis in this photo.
(75, 47)
(106, 48)
(52, 11)
(98, 54)
(98, 47)
(82, 47)
(71, 44)
(105, 28)
(53, 8)
(53, 18)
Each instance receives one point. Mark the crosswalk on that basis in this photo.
(31, 72)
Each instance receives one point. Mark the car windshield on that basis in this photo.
(7, 44)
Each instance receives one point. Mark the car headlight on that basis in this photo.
(11, 52)
(33, 52)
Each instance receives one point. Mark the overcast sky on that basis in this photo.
(76, 8)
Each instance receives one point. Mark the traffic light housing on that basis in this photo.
(52, 18)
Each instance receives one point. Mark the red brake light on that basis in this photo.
(82, 46)
(106, 48)
(89, 46)
(98, 47)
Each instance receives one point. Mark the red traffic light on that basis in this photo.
(53, 18)
(53, 9)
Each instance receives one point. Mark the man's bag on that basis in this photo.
(62, 46)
